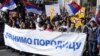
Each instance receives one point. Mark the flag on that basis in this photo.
(81, 12)
(96, 17)
(75, 19)
(72, 8)
(93, 18)
(52, 10)
(32, 8)
(8, 5)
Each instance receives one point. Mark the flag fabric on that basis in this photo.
(81, 12)
(32, 8)
(75, 19)
(72, 8)
(93, 19)
(96, 17)
(52, 10)
(8, 5)
(97, 14)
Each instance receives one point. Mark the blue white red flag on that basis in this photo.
(96, 17)
(93, 18)
(8, 5)
(72, 8)
(32, 8)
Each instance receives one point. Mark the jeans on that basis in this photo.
(92, 48)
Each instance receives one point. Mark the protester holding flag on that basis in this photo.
(92, 38)
(96, 19)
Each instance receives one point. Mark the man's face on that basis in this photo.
(92, 24)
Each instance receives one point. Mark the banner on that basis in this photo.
(44, 42)
(52, 10)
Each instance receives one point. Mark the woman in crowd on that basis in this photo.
(49, 27)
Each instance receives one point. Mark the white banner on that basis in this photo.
(44, 42)
(52, 9)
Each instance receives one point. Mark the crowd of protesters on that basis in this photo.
(60, 23)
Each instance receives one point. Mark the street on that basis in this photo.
(8, 52)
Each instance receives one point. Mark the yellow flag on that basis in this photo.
(81, 12)
(77, 18)
(77, 21)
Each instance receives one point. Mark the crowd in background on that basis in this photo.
(60, 23)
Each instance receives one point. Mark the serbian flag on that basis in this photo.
(8, 5)
(72, 8)
(96, 17)
(93, 18)
(32, 8)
